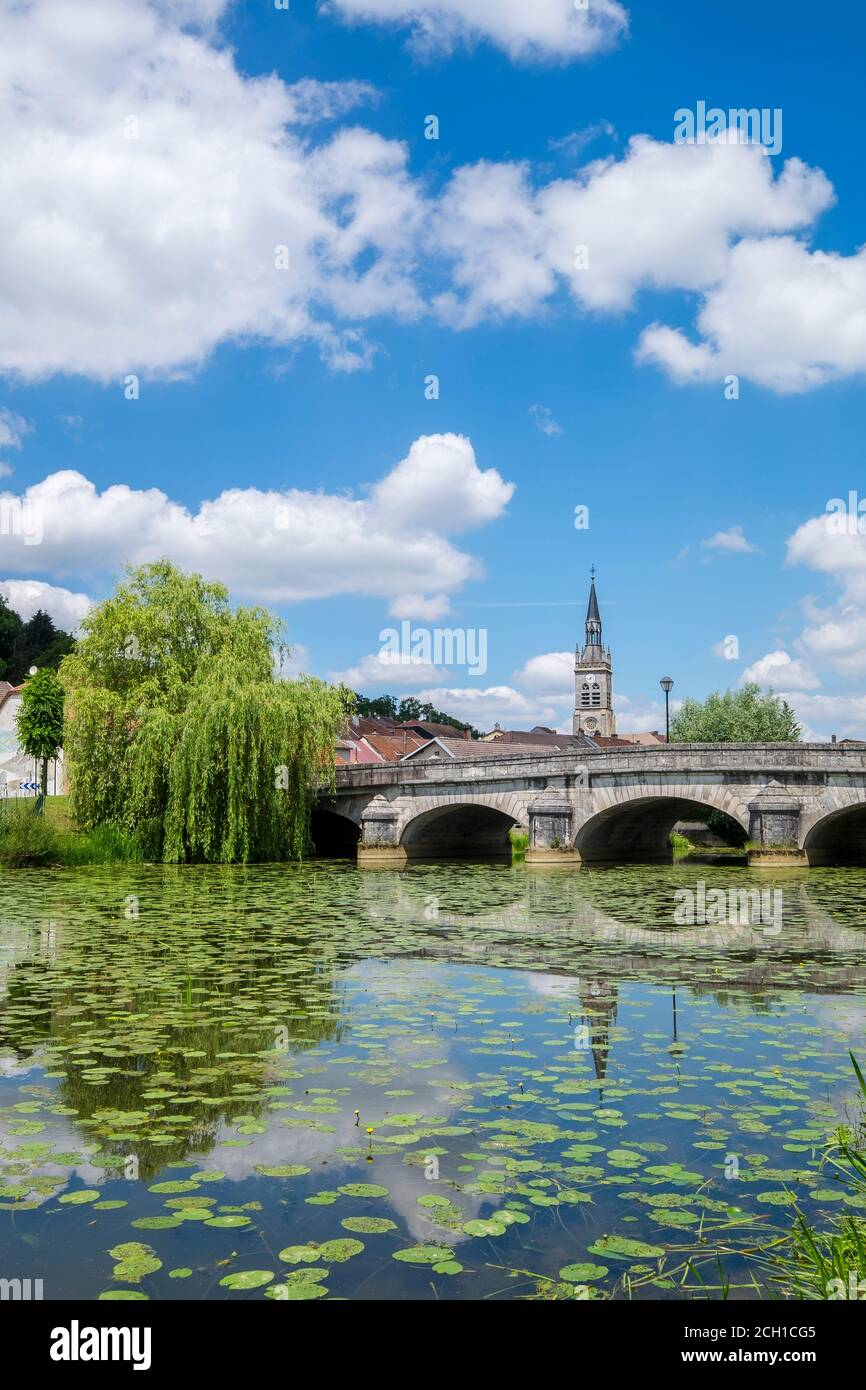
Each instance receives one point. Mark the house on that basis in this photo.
(16, 767)
(461, 749)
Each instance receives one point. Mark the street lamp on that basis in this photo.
(666, 684)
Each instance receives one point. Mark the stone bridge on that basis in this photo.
(801, 803)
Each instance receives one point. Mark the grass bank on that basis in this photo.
(28, 840)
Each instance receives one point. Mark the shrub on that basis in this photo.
(26, 839)
(105, 844)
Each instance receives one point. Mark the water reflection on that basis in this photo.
(262, 1037)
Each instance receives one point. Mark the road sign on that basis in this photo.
(30, 786)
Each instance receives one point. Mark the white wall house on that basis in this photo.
(16, 768)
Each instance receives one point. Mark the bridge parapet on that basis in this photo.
(610, 803)
(746, 758)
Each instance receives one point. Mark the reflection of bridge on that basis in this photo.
(615, 805)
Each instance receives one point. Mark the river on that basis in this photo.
(458, 1081)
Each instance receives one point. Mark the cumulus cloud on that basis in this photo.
(535, 31)
(27, 596)
(845, 714)
(664, 216)
(384, 671)
(156, 202)
(553, 672)
(787, 317)
(274, 546)
(835, 636)
(781, 671)
(483, 708)
(733, 541)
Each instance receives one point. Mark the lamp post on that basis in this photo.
(666, 684)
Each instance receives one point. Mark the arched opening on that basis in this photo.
(640, 831)
(839, 839)
(470, 832)
(333, 836)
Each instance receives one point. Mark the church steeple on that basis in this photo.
(593, 676)
(593, 616)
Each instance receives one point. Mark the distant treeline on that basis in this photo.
(36, 642)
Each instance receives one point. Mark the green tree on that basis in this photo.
(741, 716)
(10, 627)
(179, 729)
(40, 720)
(382, 707)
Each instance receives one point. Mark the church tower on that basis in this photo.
(593, 681)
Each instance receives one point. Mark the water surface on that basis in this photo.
(450, 1082)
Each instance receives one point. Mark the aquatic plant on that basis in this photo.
(519, 844)
(830, 1263)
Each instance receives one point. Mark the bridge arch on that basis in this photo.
(334, 835)
(461, 828)
(838, 837)
(636, 828)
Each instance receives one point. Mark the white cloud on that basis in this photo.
(664, 216)
(553, 672)
(784, 316)
(229, 217)
(26, 596)
(142, 254)
(544, 420)
(778, 669)
(835, 637)
(845, 713)
(502, 703)
(297, 663)
(527, 30)
(439, 486)
(382, 671)
(275, 546)
(418, 606)
(13, 429)
(733, 541)
(645, 717)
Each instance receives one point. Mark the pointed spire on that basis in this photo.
(593, 616)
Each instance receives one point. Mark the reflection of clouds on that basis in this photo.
(554, 986)
(10, 1065)
(366, 986)
(842, 1013)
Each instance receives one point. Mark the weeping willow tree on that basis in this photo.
(179, 730)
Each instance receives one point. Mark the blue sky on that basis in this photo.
(157, 156)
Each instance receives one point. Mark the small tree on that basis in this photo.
(741, 716)
(40, 719)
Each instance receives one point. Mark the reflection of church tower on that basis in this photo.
(599, 1001)
(593, 680)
